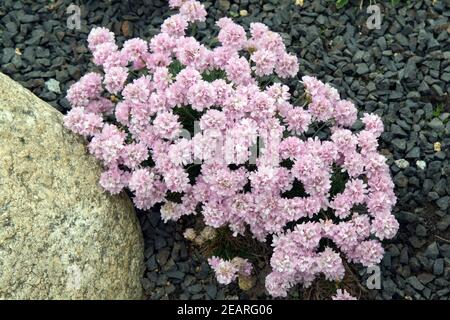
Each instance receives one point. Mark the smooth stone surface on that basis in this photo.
(61, 235)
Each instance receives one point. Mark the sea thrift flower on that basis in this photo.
(116, 59)
(342, 295)
(176, 3)
(108, 144)
(238, 70)
(166, 125)
(265, 61)
(114, 180)
(170, 211)
(133, 154)
(201, 95)
(175, 25)
(193, 11)
(373, 123)
(345, 113)
(100, 105)
(99, 36)
(138, 92)
(141, 183)
(191, 53)
(287, 66)
(180, 153)
(103, 51)
(135, 48)
(115, 78)
(86, 89)
(231, 35)
(172, 116)
(82, 122)
(227, 271)
(162, 43)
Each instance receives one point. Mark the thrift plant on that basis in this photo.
(202, 130)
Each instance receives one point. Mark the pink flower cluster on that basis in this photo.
(228, 270)
(148, 150)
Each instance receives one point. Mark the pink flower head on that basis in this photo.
(330, 263)
(193, 11)
(264, 62)
(175, 25)
(342, 295)
(238, 70)
(103, 51)
(135, 50)
(166, 125)
(114, 180)
(142, 183)
(221, 55)
(231, 35)
(373, 123)
(162, 43)
(345, 113)
(176, 3)
(138, 92)
(99, 36)
(279, 92)
(201, 95)
(226, 271)
(89, 87)
(116, 59)
(115, 78)
(298, 120)
(82, 122)
(368, 253)
(257, 30)
(132, 155)
(108, 144)
(213, 119)
(287, 66)
(100, 105)
(191, 53)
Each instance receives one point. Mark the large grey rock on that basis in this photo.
(61, 236)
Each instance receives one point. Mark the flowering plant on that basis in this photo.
(194, 128)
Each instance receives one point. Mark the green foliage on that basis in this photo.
(439, 109)
(226, 249)
(338, 181)
(296, 191)
(193, 171)
(187, 117)
(341, 3)
(175, 67)
(212, 75)
(174, 196)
